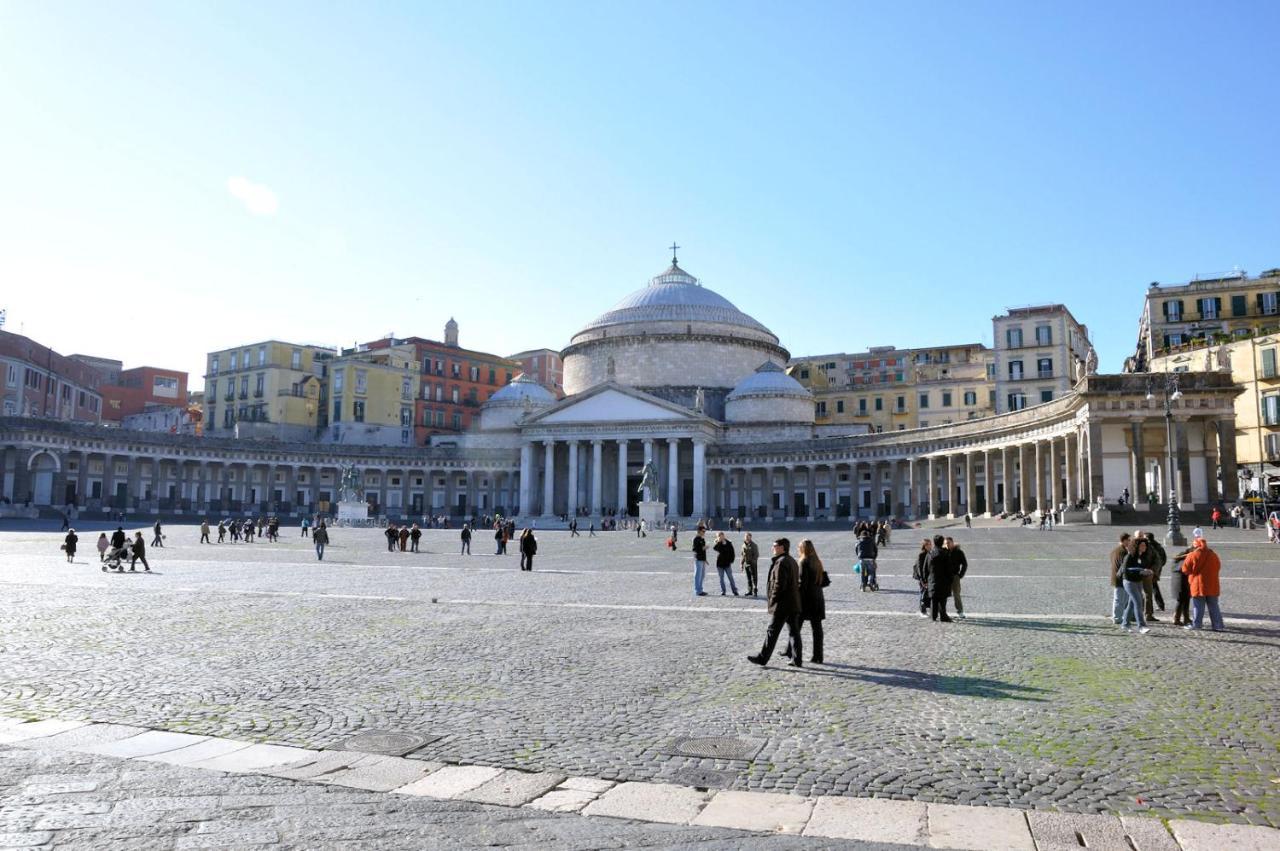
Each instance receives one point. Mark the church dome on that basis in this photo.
(520, 389)
(769, 395)
(674, 296)
(769, 379)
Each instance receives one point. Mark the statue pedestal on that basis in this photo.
(653, 514)
(1101, 517)
(349, 511)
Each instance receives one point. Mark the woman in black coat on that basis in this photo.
(69, 544)
(528, 547)
(813, 604)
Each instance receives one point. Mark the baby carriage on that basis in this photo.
(115, 559)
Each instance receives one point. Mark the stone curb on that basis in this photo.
(907, 823)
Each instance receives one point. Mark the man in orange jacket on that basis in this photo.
(1202, 567)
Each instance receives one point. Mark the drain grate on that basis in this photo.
(705, 778)
(714, 747)
(386, 742)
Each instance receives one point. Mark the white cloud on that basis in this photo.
(257, 199)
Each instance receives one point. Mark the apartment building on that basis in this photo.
(372, 393)
(1038, 353)
(39, 382)
(1215, 309)
(887, 388)
(543, 366)
(271, 390)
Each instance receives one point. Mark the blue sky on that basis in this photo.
(851, 174)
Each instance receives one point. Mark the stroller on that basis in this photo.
(115, 558)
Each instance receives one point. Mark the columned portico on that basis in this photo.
(549, 478)
(622, 476)
(597, 478)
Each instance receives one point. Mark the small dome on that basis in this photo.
(769, 379)
(521, 389)
(674, 296)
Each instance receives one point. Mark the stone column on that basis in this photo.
(949, 477)
(988, 482)
(597, 478)
(548, 478)
(1097, 482)
(135, 482)
(788, 492)
(933, 489)
(1186, 499)
(622, 476)
(811, 492)
(1137, 463)
(911, 489)
(572, 494)
(970, 489)
(699, 478)
(1006, 480)
(1071, 462)
(1039, 474)
(526, 478)
(833, 495)
(673, 477)
(1226, 460)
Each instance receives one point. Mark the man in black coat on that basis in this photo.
(783, 594)
(937, 578)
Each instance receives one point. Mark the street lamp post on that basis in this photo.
(1173, 534)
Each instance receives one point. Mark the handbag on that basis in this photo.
(826, 579)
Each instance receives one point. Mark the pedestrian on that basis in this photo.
(1182, 603)
(591, 530)
(699, 561)
(466, 539)
(320, 539)
(139, 553)
(158, 540)
(500, 540)
(273, 529)
(204, 531)
(66, 521)
(968, 520)
(724, 562)
(1116, 560)
(918, 574)
(783, 595)
(119, 538)
(404, 538)
(573, 528)
(937, 573)
(222, 531)
(867, 553)
(306, 527)
(959, 566)
(1202, 567)
(813, 604)
(69, 544)
(528, 548)
(415, 535)
(392, 535)
(1216, 517)
(750, 558)
(1155, 561)
(1135, 570)
(103, 543)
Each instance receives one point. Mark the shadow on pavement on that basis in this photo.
(933, 683)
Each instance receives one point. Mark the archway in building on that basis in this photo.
(42, 466)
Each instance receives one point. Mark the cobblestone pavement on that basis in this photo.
(592, 664)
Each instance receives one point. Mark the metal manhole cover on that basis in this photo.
(715, 747)
(705, 778)
(386, 742)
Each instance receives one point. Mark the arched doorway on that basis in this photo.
(42, 466)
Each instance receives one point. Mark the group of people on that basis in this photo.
(940, 566)
(726, 555)
(406, 537)
(794, 595)
(240, 528)
(1136, 567)
(113, 550)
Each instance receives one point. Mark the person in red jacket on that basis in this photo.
(1202, 567)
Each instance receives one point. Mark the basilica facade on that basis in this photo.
(674, 376)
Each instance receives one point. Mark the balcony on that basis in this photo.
(257, 394)
(1044, 373)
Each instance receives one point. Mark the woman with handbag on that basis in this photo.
(813, 604)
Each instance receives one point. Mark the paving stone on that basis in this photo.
(978, 829)
(254, 758)
(450, 781)
(1059, 831)
(379, 773)
(1148, 834)
(312, 767)
(563, 800)
(90, 734)
(1202, 836)
(197, 752)
(513, 788)
(660, 802)
(228, 838)
(868, 819)
(37, 729)
(62, 787)
(25, 839)
(587, 784)
(760, 811)
(144, 744)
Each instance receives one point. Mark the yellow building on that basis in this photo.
(372, 395)
(890, 389)
(272, 390)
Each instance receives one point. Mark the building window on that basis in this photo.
(357, 410)
(213, 365)
(862, 407)
(1271, 409)
(362, 381)
(474, 372)
(1046, 395)
(879, 403)
(440, 419)
(1210, 308)
(457, 422)
(970, 398)
(1044, 335)
(212, 392)
(262, 355)
(453, 395)
(821, 409)
(1044, 368)
(1017, 401)
(1173, 310)
(456, 369)
(839, 406)
(1013, 338)
(1239, 305)
(924, 401)
(244, 387)
(1015, 370)
(337, 409)
(493, 376)
(406, 416)
(233, 362)
(901, 404)
(1268, 363)
(259, 385)
(946, 398)
(1268, 303)
(406, 388)
(337, 380)
(295, 359)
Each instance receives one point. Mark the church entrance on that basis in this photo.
(633, 497)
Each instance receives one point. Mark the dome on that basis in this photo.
(674, 296)
(521, 389)
(769, 379)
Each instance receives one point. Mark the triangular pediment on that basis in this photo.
(612, 403)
